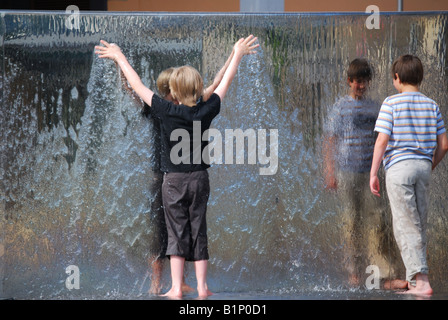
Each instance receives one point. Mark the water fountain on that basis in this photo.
(77, 156)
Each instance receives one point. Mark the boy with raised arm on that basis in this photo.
(185, 188)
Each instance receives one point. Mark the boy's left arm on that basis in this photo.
(441, 150)
(242, 48)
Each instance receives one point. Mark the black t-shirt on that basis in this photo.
(182, 118)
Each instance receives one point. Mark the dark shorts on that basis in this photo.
(185, 196)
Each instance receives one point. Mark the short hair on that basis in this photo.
(359, 68)
(186, 85)
(409, 69)
(163, 82)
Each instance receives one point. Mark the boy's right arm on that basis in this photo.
(242, 47)
(113, 52)
(210, 89)
(378, 152)
(329, 165)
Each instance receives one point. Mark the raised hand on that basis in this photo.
(108, 50)
(113, 52)
(246, 46)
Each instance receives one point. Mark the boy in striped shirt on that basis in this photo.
(411, 142)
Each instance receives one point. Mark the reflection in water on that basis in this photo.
(77, 176)
(348, 151)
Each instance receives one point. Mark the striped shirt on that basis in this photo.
(412, 121)
(352, 122)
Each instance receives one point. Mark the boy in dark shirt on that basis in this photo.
(158, 248)
(186, 187)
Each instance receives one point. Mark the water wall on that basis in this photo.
(79, 180)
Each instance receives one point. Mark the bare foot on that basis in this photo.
(204, 292)
(186, 288)
(422, 286)
(395, 284)
(173, 294)
(424, 291)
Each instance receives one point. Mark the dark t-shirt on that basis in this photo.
(182, 118)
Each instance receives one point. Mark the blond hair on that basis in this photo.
(186, 85)
(163, 85)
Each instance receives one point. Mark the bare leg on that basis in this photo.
(177, 271)
(201, 277)
(157, 267)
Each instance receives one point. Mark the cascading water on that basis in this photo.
(77, 156)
